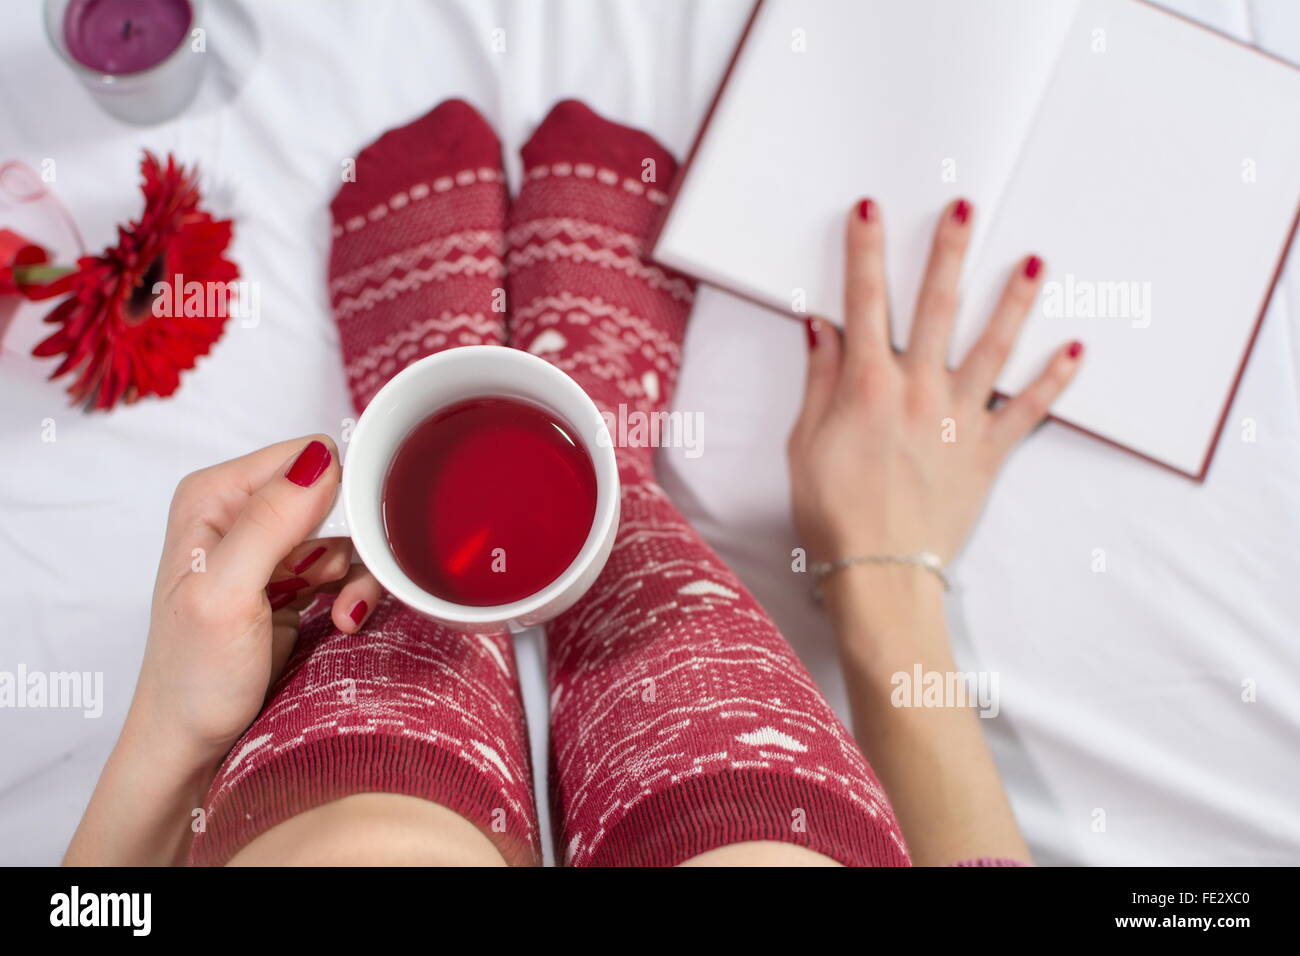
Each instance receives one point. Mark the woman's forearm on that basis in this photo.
(932, 760)
(142, 810)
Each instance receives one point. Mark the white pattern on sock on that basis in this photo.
(650, 382)
(494, 757)
(548, 341)
(701, 587)
(771, 737)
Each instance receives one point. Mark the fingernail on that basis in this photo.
(308, 561)
(866, 209)
(287, 586)
(961, 211)
(309, 465)
(358, 611)
(1033, 265)
(280, 600)
(1076, 349)
(812, 327)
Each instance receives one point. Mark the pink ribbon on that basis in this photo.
(21, 184)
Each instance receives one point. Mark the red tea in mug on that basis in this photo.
(488, 501)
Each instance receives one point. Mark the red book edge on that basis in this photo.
(1250, 342)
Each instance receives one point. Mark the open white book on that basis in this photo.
(1152, 163)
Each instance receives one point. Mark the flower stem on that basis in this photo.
(41, 274)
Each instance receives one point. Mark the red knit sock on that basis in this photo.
(681, 720)
(416, 263)
(405, 706)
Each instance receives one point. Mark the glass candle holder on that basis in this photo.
(141, 60)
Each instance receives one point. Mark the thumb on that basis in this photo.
(277, 516)
(823, 372)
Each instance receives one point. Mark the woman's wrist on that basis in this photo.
(887, 617)
(149, 732)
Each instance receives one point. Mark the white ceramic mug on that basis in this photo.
(410, 397)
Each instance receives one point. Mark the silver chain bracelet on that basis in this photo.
(922, 559)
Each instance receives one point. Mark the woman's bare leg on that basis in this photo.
(372, 829)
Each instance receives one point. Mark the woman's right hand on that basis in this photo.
(235, 571)
(893, 453)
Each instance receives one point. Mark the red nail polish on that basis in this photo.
(287, 586)
(280, 600)
(1033, 265)
(961, 211)
(309, 465)
(811, 326)
(358, 611)
(1076, 349)
(866, 209)
(308, 561)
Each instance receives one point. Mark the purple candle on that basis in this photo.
(125, 36)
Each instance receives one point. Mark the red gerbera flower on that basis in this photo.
(119, 331)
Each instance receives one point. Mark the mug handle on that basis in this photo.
(335, 524)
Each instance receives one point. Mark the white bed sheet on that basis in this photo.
(1121, 691)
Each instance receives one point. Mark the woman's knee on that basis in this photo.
(372, 829)
(761, 853)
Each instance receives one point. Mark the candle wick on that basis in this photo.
(126, 29)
